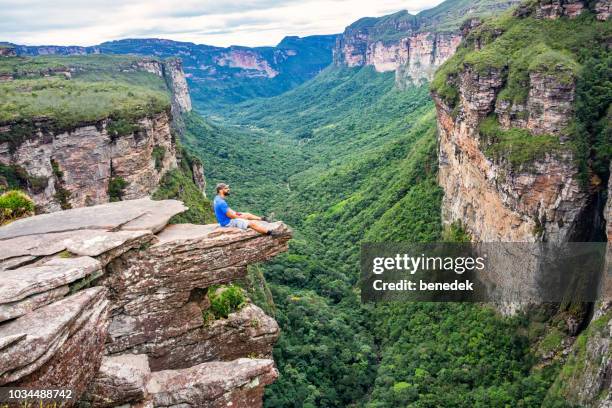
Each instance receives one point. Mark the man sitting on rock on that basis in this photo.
(230, 218)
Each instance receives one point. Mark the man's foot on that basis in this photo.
(274, 233)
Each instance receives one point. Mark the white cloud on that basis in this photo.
(221, 23)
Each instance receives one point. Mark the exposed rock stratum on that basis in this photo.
(109, 300)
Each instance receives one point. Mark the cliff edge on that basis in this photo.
(113, 302)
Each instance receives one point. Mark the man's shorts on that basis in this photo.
(238, 223)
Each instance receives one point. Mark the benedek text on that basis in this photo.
(408, 285)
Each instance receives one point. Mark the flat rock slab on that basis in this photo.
(77, 360)
(247, 332)
(236, 383)
(183, 233)
(121, 379)
(19, 308)
(19, 283)
(88, 242)
(141, 214)
(28, 342)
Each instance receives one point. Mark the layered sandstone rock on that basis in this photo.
(413, 46)
(587, 380)
(254, 64)
(493, 199)
(102, 298)
(172, 70)
(414, 57)
(554, 9)
(73, 168)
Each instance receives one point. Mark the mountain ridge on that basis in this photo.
(220, 75)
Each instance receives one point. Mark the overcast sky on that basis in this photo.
(214, 22)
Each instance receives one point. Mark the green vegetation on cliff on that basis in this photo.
(515, 145)
(58, 93)
(179, 184)
(446, 17)
(67, 103)
(517, 46)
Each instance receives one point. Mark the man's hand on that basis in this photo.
(246, 216)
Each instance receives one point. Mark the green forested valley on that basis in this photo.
(343, 159)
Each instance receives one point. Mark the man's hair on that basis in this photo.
(221, 186)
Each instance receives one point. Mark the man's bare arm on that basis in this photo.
(247, 216)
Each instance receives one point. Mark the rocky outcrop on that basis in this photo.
(554, 9)
(548, 110)
(603, 9)
(110, 301)
(414, 58)
(249, 60)
(75, 167)
(413, 46)
(493, 199)
(94, 162)
(197, 171)
(213, 385)
(7, 51)
(586, 379)
(175, 78)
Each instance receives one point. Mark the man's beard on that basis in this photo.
(228, 193)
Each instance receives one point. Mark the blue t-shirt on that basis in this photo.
(221, 208)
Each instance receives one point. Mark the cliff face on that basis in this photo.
(110, 301)
(413, 46)
(172, 70)
(95, 161)
(414, 58)
(75, 168)
(505, 166)
(495, 200)
(253, 63)
(507, 122)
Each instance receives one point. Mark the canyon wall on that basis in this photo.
(99, 161)
(113, 302)
(494, 199)
(413, 46)
(76, 167)
(413, 58)
(509, 174)
(498, 194)
(219, 76)
(172, 71)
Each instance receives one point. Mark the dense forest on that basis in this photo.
(344, 159)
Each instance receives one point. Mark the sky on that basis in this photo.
(213, 22)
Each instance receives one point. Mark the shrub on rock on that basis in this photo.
(15, 204)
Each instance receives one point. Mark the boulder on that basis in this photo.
(26, 288)
(238, 383)
(153, 309)
(121, 379)
(56, 346)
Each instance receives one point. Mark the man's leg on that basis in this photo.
(258, 227)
